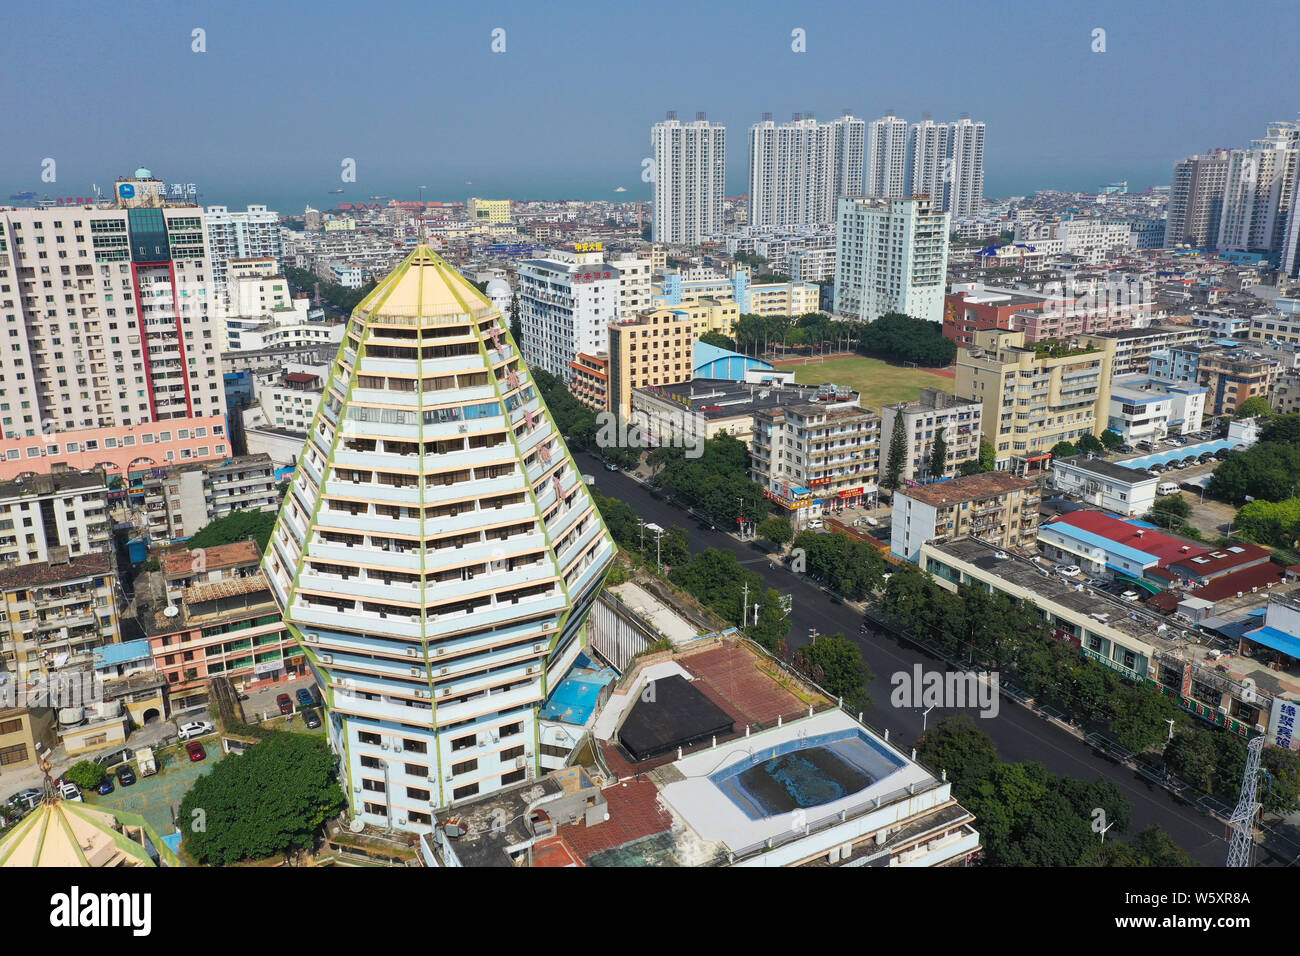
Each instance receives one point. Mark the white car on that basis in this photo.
(1069, 570)
(815, 524)
(69, 791)
(196, 729)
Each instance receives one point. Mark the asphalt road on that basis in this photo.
(1019, 734)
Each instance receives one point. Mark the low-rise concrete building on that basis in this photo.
(935, 413)
(995, 506)
(1105, 484)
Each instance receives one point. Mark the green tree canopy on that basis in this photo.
(271, 799)
(1254, 407)
(837, 665)
(236, 526)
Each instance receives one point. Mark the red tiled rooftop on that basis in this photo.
(1221, 560)
(968, 488)
(634, 813)
(207, 559)
(729, 676)
(1165, 548)
(554, 852)
(1227, 586)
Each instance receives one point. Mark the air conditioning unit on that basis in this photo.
(383, 746)
(531, 670)
(397, 748)
(311, 637)
(444, 691)
(412, 652)
(538, 648)
(444, 670)
(521, 763)
(441, 651)
(415, 672)
(327, 659)
(422, 693)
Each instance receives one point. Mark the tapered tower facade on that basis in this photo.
(437, 552)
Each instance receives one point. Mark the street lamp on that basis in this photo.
(925, 717)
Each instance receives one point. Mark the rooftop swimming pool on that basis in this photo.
(806, 772)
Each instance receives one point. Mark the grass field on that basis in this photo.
(879, 382)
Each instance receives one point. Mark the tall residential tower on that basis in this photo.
(798, 170)
(437, 553)
(690, 170)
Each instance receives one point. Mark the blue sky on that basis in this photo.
(413, 92)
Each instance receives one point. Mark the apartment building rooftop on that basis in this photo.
(723, 398)
(219, 556)
(1105, 468)
(51, 482)
(34, 575)
(968, 488)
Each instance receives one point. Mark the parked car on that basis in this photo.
(1129, 595)
(610, 466)
(815, 524)
(305, 698)
(69, 791)
(23, 802)
(284, 703)
(1206, 456)
(125, 775)
(196, 751)
(1098, 582)
(311, 718)
(1069, 570)
(105, 785)
(1167, 488)
(194, 729)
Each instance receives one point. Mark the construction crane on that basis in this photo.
(1243, 818)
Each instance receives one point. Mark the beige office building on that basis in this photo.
(1033, 396)
(655, 347)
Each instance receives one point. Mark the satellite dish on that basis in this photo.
(171, 610)
(357, 825)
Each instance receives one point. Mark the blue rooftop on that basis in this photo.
(111, 655)
(575, 698)
(714, 362)
(1179, 453)
(1278, 640)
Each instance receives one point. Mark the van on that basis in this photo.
(1167, 488)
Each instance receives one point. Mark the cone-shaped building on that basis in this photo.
(437, 552)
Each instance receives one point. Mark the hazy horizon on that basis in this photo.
(280, 96)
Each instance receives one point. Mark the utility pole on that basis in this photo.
(744, 611)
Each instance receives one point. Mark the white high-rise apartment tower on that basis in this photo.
(251, 234)
(1196, 200)
(946, 162)
(1258, 192)
(113, 347)
(690, 169)
(965, 184)
(887, 157)
(927, 155)
(798, 170)
(891, 256)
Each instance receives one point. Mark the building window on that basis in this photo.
(460, 793)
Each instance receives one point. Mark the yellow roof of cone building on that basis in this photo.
(69, 833)
(424, 285)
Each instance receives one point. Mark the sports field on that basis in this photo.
(879, 382)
